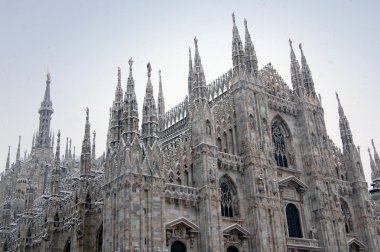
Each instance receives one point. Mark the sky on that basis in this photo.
(82, 43)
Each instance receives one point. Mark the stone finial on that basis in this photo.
(233, 17)
(130, 61)
(87, 114)
(196, 43)
(48, 76)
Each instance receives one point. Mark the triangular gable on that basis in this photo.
(237, 227)
(355, 241)
(183, 221)
(300, 186)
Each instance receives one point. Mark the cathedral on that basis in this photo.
(244, 163)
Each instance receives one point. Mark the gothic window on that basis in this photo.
(99, 239)
(232, 141)
(229, 202)
(219, 144)
(232, 249)
(178, 246)
(56, 219)
(88, 200)
(225, 142)
(68, 245)
(278, 140)
(348, 225)
(171, 177)
(186, 175)
(293, 220)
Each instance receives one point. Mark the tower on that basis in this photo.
(46, 110)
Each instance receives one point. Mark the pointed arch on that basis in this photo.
(67, 247)
(281, 140)
(99, 239)
(229, 203)
(178, 246)
(347, 216)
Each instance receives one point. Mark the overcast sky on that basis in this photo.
(81, 43)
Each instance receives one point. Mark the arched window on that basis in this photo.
(99, 239)
(178, 246)
(229, 203)
(219, 144)
(68, 245)
(348, 225)
(293, 220)
(56, 220)
(278, 140)
(225, 141)
(232, 249)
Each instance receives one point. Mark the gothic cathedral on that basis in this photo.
(243, 163)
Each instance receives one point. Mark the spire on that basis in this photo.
(199, 92)
(149, 121)
(86, 148)
(7, 165)
(18, 149)
(238, 60)
(375, 154)
(190, 77)
(161, 104)
(93, 155)
(55, 179)
(130, 118)
(119, 90)
(34, 136)
(58, 149)
(345, 131)
(374, 167)
(67, 149)
(70, 149)
(250, 53)
(307, 79)
(45, 111)
(295, 72)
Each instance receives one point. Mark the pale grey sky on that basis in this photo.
(83, 42)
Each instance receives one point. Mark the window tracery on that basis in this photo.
(229, 201)
(278, 140)
(348, 225)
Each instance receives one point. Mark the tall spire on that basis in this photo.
(238, 60)
(55, 179)
(34, 136)
(149, 121)
(199, 92)
(93, 155)
(130, 118)
(161, 104)
(306, 75)
(250, 53)
(67, 149)
(345, 131)
(18, 149)
(45, 111)
(7, 165)
(119, 90)
(190, 77)
(295, 72)
(86, 148)
(375, 154)
(70, 149)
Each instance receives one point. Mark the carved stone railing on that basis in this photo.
(302, 243)
(282, 105)
(229, 161)
(178, 194)
(219, 86)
